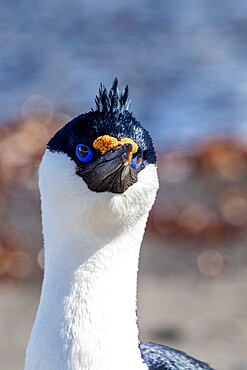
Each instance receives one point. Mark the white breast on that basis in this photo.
(87, 314)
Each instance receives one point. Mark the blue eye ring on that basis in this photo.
(137, 161)
(84, 153)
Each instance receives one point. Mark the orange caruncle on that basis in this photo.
(106, 142)
(125, 140)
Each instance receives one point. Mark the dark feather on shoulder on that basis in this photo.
(160, 357)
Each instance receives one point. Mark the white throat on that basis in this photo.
(87, 314)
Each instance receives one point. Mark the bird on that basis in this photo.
(98, 182)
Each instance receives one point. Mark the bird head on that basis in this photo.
(103, 158)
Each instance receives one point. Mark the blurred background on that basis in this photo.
(185, 63)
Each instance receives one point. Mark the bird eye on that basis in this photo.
(137, 161)
(84, 153)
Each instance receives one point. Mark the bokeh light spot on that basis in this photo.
(130, 52)
(37, 105)
(233, 206)
(174, 167)
(166, 219)
(21, 265)
(40, 258)
(210, 263)
(195, 218)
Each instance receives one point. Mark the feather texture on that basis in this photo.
(112, 101)
(159, 357)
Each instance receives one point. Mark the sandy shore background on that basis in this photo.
(203, 316)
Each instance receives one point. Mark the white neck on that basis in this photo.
(87, 313)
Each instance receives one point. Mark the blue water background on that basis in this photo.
(185, 61)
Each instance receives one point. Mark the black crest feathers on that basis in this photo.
(112, 101)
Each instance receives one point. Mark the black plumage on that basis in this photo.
(159, 357)
(111, 117)
(114, 101)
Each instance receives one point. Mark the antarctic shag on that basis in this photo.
(98, 181)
